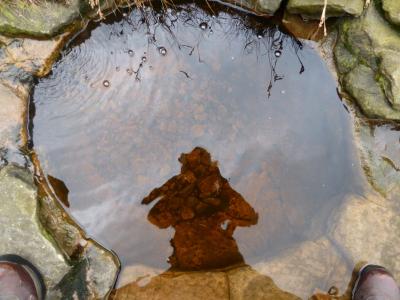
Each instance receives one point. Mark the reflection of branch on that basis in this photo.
(186, 74)
(258, 37)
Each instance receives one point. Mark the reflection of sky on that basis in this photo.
(289, 155)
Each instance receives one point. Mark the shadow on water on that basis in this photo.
(132, 94)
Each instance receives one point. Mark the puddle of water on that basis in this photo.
(132, 94)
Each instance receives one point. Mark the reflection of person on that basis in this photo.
(204, 210)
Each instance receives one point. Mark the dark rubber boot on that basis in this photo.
(19, 279)
(375, 283)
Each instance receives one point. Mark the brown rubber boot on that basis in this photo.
(375, 283)
(19, 279)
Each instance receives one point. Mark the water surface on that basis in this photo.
(132, 94)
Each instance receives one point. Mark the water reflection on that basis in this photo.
(204, 210)
(290, 156)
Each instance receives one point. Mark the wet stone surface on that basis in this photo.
(275, 148)
(367, 61)
(20, 222)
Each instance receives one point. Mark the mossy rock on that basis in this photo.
(335, 8)
(392, 10)
(43, 19)
(366, 56)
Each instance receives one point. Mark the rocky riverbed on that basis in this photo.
(362, 50)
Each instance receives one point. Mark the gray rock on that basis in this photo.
(361, 84)
(20, 230)
(268, 6)
(367, 61)
(11, 111)
(379, 148)
(92, 274)
(335, 8)
(367, 229)
(392, 10)
(264, 7)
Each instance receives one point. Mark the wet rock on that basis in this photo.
(298, 269)
(92, 277)
(361, 84)
(392, 10)
(11, 111)
(178, 285)
(240, 282)
(246, 283)
(313, 8)
(300, 28)
(39, 19)
(379, 147)
(35, 57)
(20, 228)
(23, 234)
(366, 57)
(368, 229)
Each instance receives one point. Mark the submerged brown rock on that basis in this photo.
(204, 210)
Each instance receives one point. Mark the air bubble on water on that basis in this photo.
(144, 59)
(106, 83)
(124, 15)
(233, 58)
(131, 53)
(129, 71)
(259, 36)
(162, 51)
(211, 31)
(203, 25)
(283, 92)
(278, 53)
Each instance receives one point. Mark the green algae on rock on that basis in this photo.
(367, 61)
(335, 8)
(43, 19)
(392, 10)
